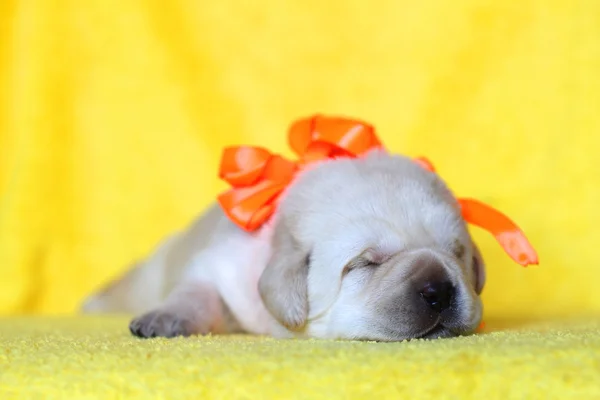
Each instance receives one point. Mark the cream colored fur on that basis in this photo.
(346, 257)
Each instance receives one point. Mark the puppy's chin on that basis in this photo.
(354, 321)
(343, 326)
(438, 332)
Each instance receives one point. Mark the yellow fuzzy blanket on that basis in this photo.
(96, 358)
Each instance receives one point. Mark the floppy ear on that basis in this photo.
(283, 283)
(478, 269)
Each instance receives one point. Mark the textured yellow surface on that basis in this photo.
(97, 359)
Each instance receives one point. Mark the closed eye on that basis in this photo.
(359, 262)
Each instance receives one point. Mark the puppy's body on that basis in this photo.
(211, 255)
(355, 251)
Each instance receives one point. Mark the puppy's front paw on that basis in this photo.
(161, 323)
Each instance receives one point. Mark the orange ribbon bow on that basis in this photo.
(258, 178)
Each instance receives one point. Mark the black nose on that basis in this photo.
(438, 295)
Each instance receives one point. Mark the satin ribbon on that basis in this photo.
(258, 178)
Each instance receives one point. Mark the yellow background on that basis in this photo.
(113, 115)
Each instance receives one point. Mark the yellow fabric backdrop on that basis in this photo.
(113, 115)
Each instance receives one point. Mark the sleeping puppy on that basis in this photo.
(371, 248)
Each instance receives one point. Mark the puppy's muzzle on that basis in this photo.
(434, 295)
(432, 285)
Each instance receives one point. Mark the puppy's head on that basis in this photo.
(373, 248)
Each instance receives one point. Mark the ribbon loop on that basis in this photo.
(241, 166)
(334, 137)
(258, 177)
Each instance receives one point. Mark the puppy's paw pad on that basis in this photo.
(161, 324)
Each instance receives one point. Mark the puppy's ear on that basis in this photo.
(478, 269)
(283, 283)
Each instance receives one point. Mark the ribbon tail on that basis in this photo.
(481, 327)
(507, 233)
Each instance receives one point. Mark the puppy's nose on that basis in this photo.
(438, 295)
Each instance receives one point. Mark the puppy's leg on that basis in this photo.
(192, 308)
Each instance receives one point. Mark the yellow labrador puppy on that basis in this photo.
(371, 248)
